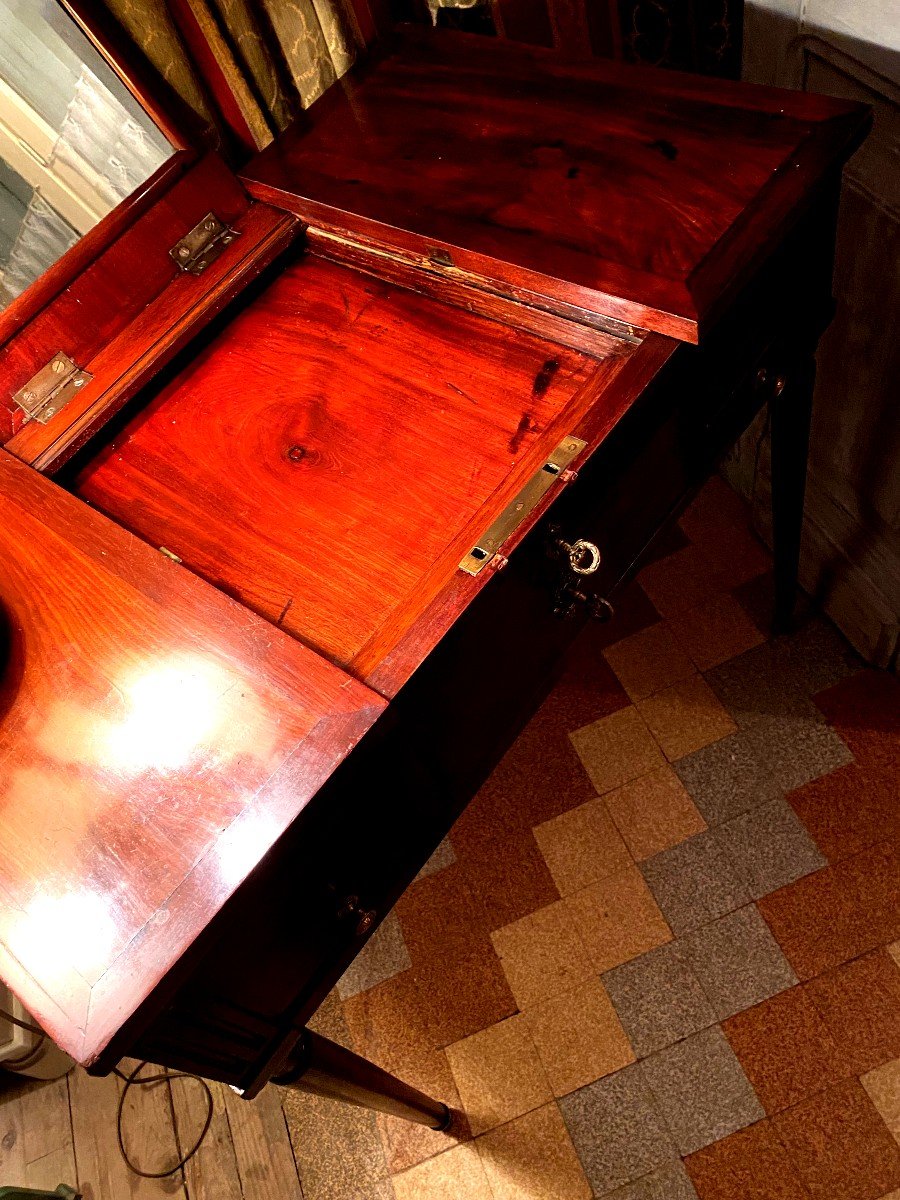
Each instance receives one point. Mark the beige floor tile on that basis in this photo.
(883, 1086)
(616, 749)
(406, 1142)
(457, 1174)
(498, 1074)
(653, 813)
(582, 846)
(716, 631)
(579, 1037)
(649, 660)
(618, 919)
(533, 1158)
(686, 717)
(541, 954)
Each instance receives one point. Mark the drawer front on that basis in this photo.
(645, 473)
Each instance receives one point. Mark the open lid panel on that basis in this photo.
(593, 190)
(168, 270)
(156, 739)
(337, 451)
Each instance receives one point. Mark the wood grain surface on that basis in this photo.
(156, 741)
(319, 458)
(599, 186)
(113, 290)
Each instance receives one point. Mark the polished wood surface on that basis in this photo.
(130, 359)
(157, 739)
(641, 195)
(327, 457)
(115, 288)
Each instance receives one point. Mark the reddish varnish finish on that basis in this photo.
(598, 186)
(117, 286)
(156, 741)
(127, 361)
(326, 458)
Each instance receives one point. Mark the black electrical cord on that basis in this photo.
(135, 1080)
(132, 1080)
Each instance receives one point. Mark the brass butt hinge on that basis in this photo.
(201, 247)
(51, 389)
(526, 501)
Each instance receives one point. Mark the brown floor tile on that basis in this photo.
(498, 1074)
(539, 777)
(587, 690)
(405, 1142)
(840, 1146)
(618, 919)
(459, 996)
(860, 1004)
(388, 1023)
(716, 631)
(505, 872)
(648, 661)
(894, 952)
(582, 846)
(751, 1164)
(542, 955)
(457, 1174)
(716, 511)
(865, 710)
(579, 1037)
(532, 1158)
(849, 810)
(680, 581)
(654, 813)
(786, 1049)
(838, 913)
(686, 717)
(617, 749)
(883, 1088)
(441, 910)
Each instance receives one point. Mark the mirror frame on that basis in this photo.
(182, 128)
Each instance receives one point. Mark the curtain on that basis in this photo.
(246, 66)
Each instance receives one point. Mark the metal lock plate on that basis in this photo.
(201, 247)
(526, 501)
(51, 389)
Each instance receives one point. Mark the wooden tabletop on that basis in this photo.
(639, 194)
(156, 740)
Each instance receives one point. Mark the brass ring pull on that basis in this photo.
(584, 557)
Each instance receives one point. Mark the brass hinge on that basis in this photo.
(202, 246)
(50, 390)
(526, 501)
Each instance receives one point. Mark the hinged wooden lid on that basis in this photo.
(157, 739)
(595, 190)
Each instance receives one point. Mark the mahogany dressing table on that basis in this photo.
(310, 476)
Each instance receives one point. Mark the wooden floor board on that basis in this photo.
(48, 1144)
(213, 1171)
(65, 1132)
(263, 1147)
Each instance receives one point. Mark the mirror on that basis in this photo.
(73, 141)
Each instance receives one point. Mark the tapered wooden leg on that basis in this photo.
(324, 1068)
(791, 415)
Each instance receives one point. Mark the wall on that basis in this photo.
(851, 558)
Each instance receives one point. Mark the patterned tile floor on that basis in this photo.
(658, 957)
